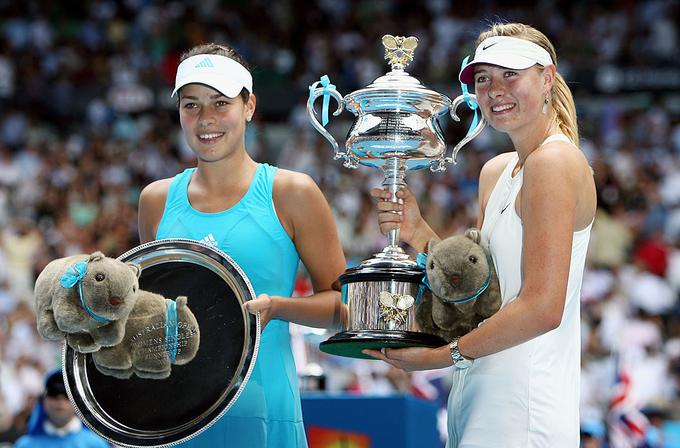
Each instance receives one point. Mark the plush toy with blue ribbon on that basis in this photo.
(73, 278)
(85, 299)
(95, 303)
(160, 333)
(460, 288)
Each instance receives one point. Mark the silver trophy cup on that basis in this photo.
(396, 129)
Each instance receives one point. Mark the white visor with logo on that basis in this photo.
(219, 72)
(505, 51)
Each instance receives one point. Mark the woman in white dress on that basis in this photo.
(516, 376)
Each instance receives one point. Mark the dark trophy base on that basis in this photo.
(351, 343)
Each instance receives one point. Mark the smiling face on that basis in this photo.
(213, 124)
(511, 99)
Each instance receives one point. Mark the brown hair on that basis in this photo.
(561, 99)
(222, 50)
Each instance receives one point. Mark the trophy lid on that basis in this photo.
(397, 90)
(361, 273)
(392, 263)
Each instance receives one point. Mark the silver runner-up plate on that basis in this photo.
(138, 412)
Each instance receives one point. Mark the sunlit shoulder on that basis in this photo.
(156, 190)
(293, 183)
(556, 157)
(298, 201)
(493, 168)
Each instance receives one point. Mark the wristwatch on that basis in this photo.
(459, 361)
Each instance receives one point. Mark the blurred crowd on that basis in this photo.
(86, 121)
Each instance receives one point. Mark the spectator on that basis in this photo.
(53, 423)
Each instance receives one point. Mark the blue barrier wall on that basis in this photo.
(397, 421)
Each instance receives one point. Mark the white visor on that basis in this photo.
(219, 72)
(505, 51)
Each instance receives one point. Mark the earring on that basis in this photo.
(546, 101)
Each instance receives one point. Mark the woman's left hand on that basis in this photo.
(264, 304)
(414, 358)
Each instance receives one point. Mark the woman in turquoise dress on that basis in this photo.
(267, 219)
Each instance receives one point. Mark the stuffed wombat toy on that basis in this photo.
(464, 287)
(85, 298)
(159, 332)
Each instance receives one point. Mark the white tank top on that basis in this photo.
(527, 395)
(502, 233)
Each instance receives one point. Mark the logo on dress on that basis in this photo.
(210, 240)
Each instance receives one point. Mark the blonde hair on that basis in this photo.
(561, 99)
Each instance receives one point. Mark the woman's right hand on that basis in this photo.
(405, 216)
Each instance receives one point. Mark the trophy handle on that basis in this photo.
(440, 164)
(314, 92)
(473, 132)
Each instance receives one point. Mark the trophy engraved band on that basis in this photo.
(396, 129)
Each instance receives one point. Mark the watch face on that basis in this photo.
(142, 412)
(462, 363)
(459, 361)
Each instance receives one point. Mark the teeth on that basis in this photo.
(502, 108)
(209, 136)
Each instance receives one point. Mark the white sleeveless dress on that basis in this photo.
(527, 395)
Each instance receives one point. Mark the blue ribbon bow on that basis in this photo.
(171, 330)
(73, 276)
(472, 104)
(421, 259)
(325, 81)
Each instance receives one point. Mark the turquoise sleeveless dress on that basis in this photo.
(268, 412)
